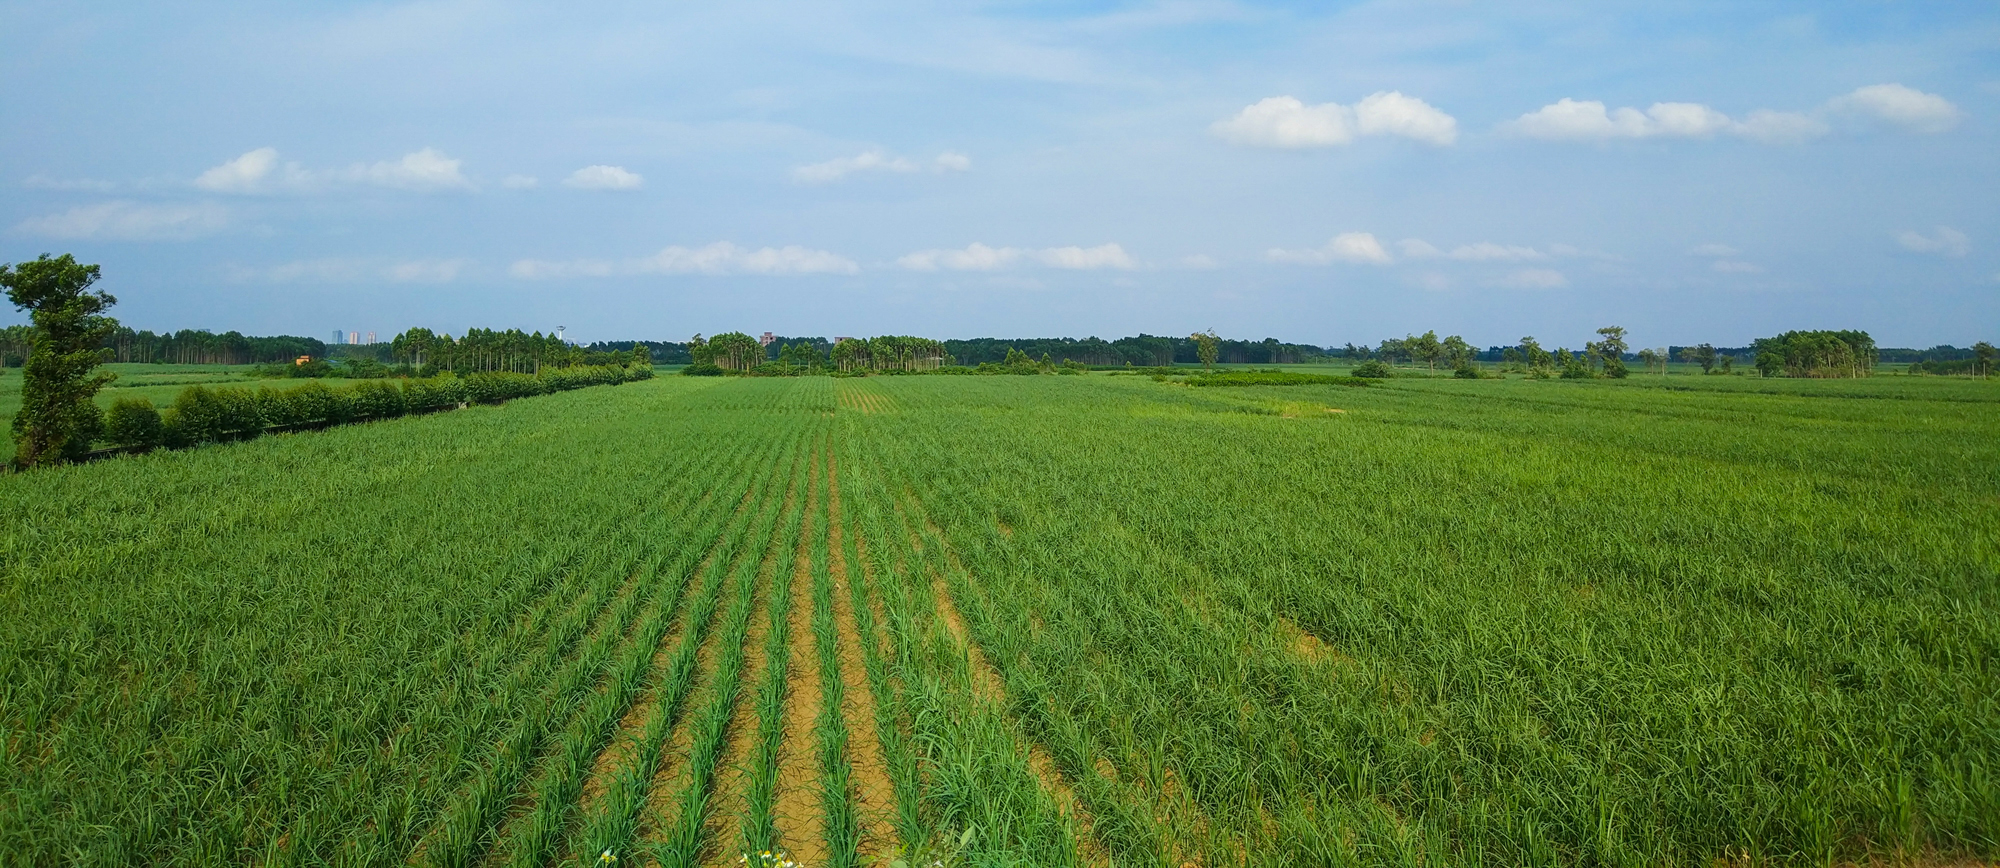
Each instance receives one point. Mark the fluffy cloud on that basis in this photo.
(1899, 106)
(604, 178)
(719, 258)
(258, 171)
(249, 173)
(979, 257)
(876, 161)
(427, 169)
(130, 221)
(1947, 242)
(1287, 122)
(1588, 119)
(1533, 278)
(1887, 104)
(1355, 247)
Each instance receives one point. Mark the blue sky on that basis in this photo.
(1315, 172)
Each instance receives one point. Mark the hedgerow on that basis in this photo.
(203, 415)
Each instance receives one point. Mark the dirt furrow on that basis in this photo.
(875, 794)
(800, 818)
(732, 777)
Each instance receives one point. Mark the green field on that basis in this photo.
(1083, 620)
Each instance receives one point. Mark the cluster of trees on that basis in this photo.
(202, 347)
(1142, 350)
(203, 415)
(513, 351)
(1816, 354)
(889, 353)
(1977, 362)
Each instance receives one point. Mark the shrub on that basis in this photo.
(1373, 369)
(702, 369)
(198, 417)
(377, 399)
(134, 423)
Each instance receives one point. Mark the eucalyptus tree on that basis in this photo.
(1206, 346)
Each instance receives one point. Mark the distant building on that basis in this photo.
(842, 338)
(766, 339)
(354, 337)
(337, 335)
(371, 338)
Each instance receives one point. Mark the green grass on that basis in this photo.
(1498, 622)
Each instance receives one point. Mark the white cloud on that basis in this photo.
(604, 178)
(40, 181)
(1086, 258)
(426, 270)
(980, 257)
(130, 221)
(1779, 128)
(876, 161)
(520, 182)
(1533, 278)
(1417, 248)
(1393, 114)
(719, 258)
(1287, 122)
(1890, 104)
(1712, 250)
(1571, 251)
(1356, 247)
(1900, 106)
(1731, 266)
(428, 169)
(1588, 119)
(248, 173)
(258, 171)
(1487, 251)
(353, 270)
(1947, 242)
(975, 257)
(1200, 261)
(840, 167)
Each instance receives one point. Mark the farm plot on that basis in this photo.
(1047, 621)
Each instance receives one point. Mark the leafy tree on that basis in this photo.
(1459, 353)
(1393, 349)
(59, 418)
(1700, 354)
(1574, 367)
(1425, 347)
(1984, 353)
(1510, 357)
(1609, 351)
(1207, 346)
(1540, 361)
